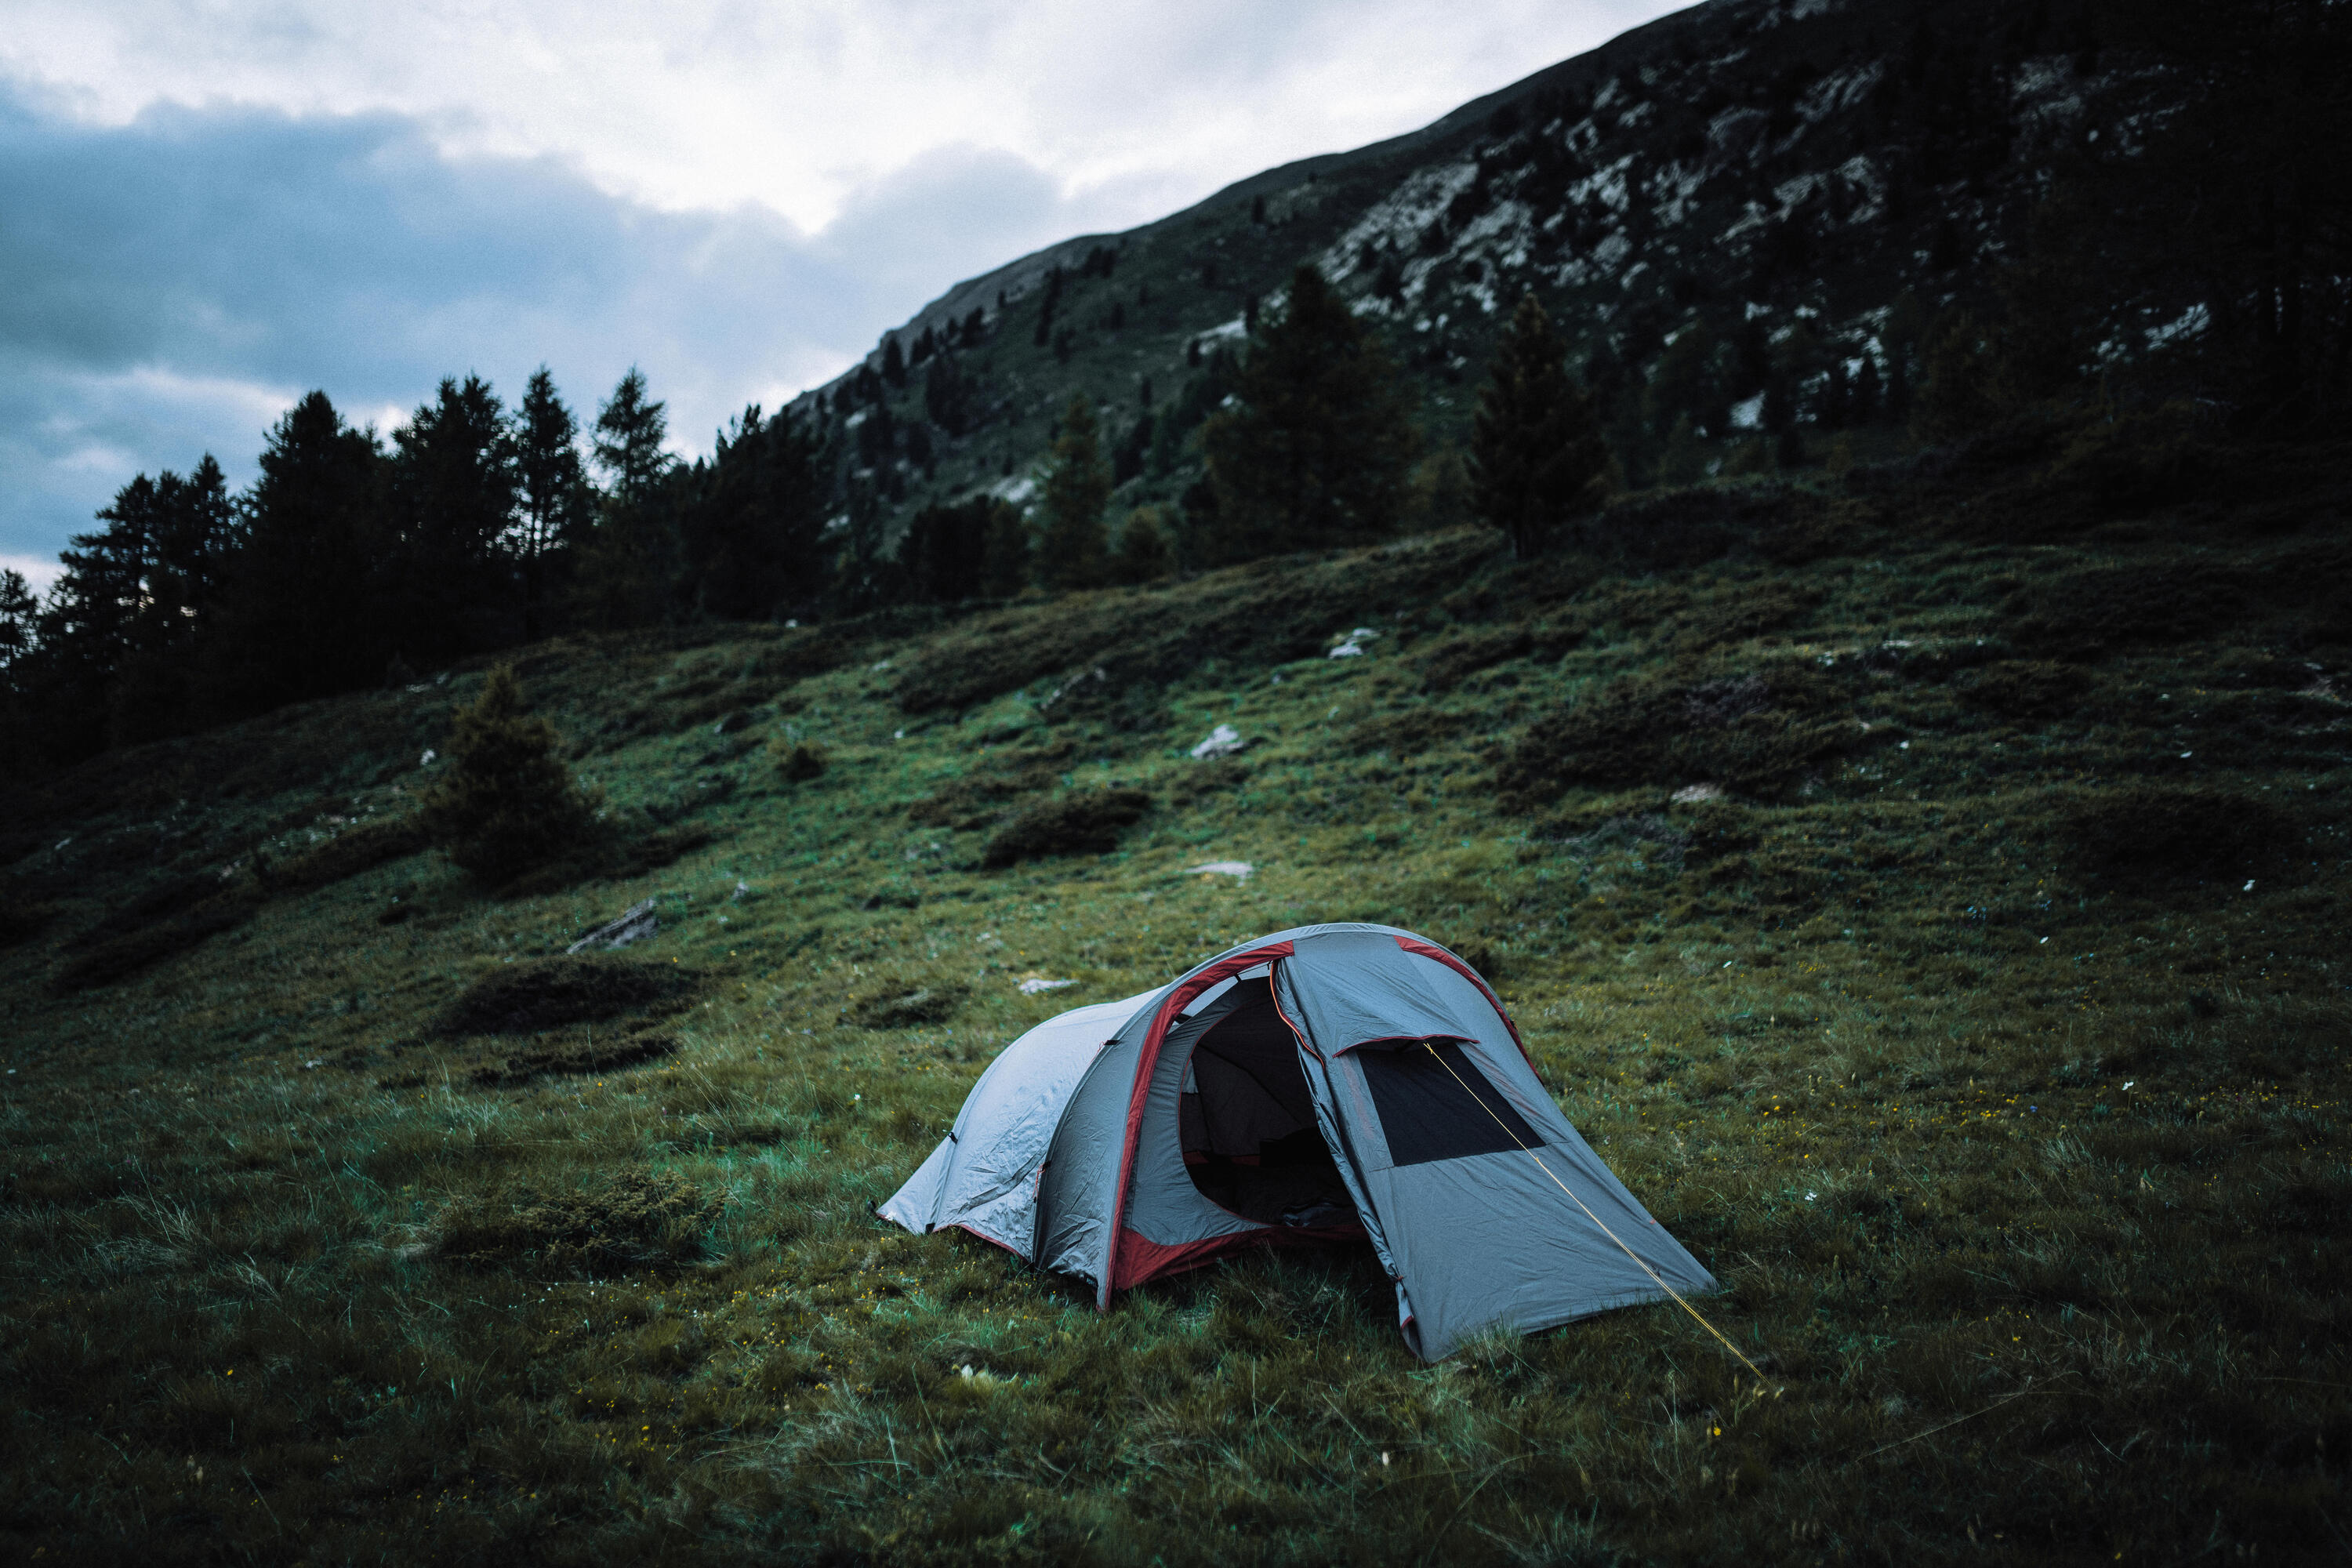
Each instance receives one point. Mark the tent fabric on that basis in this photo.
(1331, 1081)
(983, 1175)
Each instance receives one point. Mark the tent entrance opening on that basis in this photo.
(1247, 1122)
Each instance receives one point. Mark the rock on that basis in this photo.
(1035, 984)
(1223, 742)
(1691, 795)
(1239, 870)
(636, 925)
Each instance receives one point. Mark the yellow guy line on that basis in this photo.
(1595, 1218)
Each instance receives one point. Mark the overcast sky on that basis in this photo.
(209, 206)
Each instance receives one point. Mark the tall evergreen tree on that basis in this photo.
(1320, 451)
(1536, 454)
(1070, 545)
(630, 430)
(753, 529)
(298, 613)
(455, 485)
(552, 489)
(629, 566)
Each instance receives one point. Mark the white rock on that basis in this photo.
(1223, 742)
(1690, 794)
(1037, 983)
(1239, 870)
(427, 759)
(636, 925)
(1347, 650)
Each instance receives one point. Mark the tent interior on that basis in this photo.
(1247, 1122)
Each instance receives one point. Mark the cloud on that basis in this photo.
(180, 279)
(213, 206)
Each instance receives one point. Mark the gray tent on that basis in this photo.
(1330, 1081)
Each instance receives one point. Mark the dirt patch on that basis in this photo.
(106, 961)
(1447, 662)
(349, 853)
(933, 1004)
(550, 993)
(2087, 615)
(21, 920)
(547, 1055)
(2149, 836)
(2024, 688)
(1406, 734)
(1753, 732)
(1269, 612)
(1083, 822)
(642, 1220)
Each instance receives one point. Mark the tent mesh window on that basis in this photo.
(1434, 1104)
(1251, 1144)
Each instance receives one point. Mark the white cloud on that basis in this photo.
(242, 199)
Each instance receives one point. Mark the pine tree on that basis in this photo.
(1077, 488)
(454, 487)
(753, 523)
(1320, 449)
(554, 490)
(504, 801)
(1143, 554)
(1004, 551)
(301, 595)
(628, 570)
(1537, 455)
(630, 430)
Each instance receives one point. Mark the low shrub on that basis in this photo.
(797, 761)
(549, 992)
(506, 802)
(1083, 822)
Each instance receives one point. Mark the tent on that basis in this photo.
(1327, 1082)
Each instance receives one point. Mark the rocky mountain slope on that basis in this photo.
(1784, 192)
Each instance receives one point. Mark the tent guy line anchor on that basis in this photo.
(1639, 1261)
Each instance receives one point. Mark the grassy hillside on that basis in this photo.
(1927, 893)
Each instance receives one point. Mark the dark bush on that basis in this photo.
(1083, 822)
(506, 802)
(549, 992)
(797, 761)
(2146, 835)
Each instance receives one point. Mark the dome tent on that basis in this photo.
(1333, 1080)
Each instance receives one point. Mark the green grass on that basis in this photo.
(2013, 1120)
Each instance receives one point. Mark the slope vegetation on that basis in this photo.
(1927, 894)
